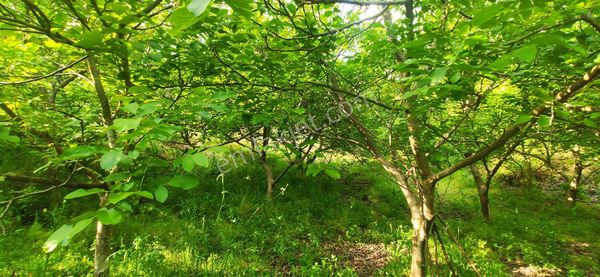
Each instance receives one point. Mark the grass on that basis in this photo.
(311, 228)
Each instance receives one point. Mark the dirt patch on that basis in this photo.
(364, 258)
(580, 248)
(530, 271)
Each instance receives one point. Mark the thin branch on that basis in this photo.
(47, 75)
(51, 182)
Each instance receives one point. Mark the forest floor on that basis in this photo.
(314, 226)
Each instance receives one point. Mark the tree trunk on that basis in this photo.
(264, 162)
(102, 252)
(484, 203)
(422, 221)
(270, 180)
(482, 189)
(420, 249)
(103, 232)
(574, 185)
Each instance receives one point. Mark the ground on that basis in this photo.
(314, 226)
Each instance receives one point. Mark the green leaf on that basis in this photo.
(486, 14)
(109, 216)
(132, 108)
(5, 135)
(333, 173)
(111, 159)
(79, 152)
(260, 119)
(526, 53)
(523, 119)
(184, 17)
(502, 62)
(124, 207)
(181, 19)
(149, 108)
(91, 39)
(412, 93)
(197, 7)
(126, 124)
(313, 170)
(117, 176)
(188, 163)
(59, 236)
(83, 192)
(64, 234)
(145, 194)
(201, 160)
(242, 8)
(161, 193)
(544, 120)
(80, 226)
(185, 182)
(438, 75)
(116, 197)
(86, 215)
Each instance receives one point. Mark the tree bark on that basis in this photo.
(574, 185)
(422, 221)
(482, 189)
(107, 118)
(102, 251)
(270, 181)
(103, 232)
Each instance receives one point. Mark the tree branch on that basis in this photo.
(561, 97)
(47, 75)
(51, 182)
